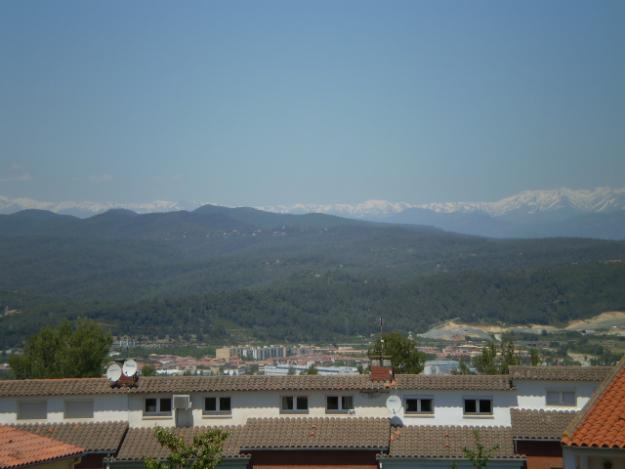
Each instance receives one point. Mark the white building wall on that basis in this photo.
(592, 458)
(448, 406)
(106, 408)
(533, 394)
(8, 410)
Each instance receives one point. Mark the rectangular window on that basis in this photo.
(478, 407)
(294, 404)
(337, 404)
(347, 402)
(157, 406)
(224, 404)
(332, 403)
(561, 398)
(217, 405)
(302, 403)
(78, 409)
(32, 410)
(210, 404)
(419, 405)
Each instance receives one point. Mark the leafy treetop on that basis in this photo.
(65, 351)
(204, 453)
(402, 351)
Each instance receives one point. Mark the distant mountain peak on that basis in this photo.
(598, 200)
(118, 212)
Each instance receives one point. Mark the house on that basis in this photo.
(595, 439)
(314, 419)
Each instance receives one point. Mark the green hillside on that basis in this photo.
(298, 277)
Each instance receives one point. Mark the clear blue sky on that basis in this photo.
(321, 101)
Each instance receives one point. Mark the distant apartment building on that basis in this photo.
(227, 353)
(252, 353)
(283, 369)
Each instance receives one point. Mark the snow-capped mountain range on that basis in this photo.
(88, 208)
(599, 200)
(598, 212)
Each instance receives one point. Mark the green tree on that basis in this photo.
(535, 359)
(65, 351)
(490, 362)
(204, 453)
(312, 370)
(508, 357)
(486, 362)
(148, 370)
(403, 352)
(479, 456)
(463, 368)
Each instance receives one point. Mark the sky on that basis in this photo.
(278, 102)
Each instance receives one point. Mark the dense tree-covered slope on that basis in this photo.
(222, 273)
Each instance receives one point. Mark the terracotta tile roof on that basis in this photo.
(381, 373)
(19, 448)
(140, 443)
(448, 442)
(560, 373)
(56, 387)
(316, 433)
(454, 382)
(93, 437)
(539, 424)
(601, 423)
(189, 384)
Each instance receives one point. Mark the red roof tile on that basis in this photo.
(94, 437)
(602, 422)
(188, 384)
(19, 448)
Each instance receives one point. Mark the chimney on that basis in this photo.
(381, 369)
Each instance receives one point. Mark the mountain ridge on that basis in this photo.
(594, 213)
(284, 276)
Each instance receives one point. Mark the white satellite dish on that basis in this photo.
(113, 372)
(393, 404)
(129, 368)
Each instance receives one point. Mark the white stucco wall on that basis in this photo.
(592, 458)
(448, 406)
(105, 409)
(533, 394)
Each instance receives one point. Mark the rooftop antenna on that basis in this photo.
(381, 337)
(125, 343)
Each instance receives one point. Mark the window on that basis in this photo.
(338, 404)
(478, 406)
(561, 398)
(419, 405)
(78, 409)
(157, 406)
(294, 404)
(32, 410)
(217, 406)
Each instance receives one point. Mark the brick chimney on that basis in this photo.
(381, 369)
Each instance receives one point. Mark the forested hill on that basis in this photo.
(244, 273)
